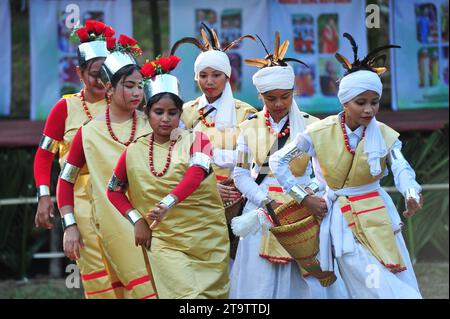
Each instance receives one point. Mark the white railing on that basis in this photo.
(33, 200)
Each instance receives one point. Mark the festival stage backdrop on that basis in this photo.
(231, 19)
(315, 34)
(5, 58)
(420, 67)
(313, 30)
(53, 56)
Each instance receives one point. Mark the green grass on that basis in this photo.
(433, 282)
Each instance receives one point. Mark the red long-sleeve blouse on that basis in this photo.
(191, 181)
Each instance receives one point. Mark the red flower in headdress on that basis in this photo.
(148, 70)
(164, 63)
(90, 25)
(108, 32)
(126, 40)
(173, 62)
(83, 34)
(110, 43)
(99, 27)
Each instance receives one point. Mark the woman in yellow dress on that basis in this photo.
(65, 118)
(170, 186)
(97, 146)
(216, 112)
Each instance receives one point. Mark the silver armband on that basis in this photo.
(49, 144)
(289, 152)
(133, 216)
(116, 185)
(243, 160)
(396, 154)
(314, 187)
(202, 160)
(69, 173)
(412, 193)
(169, 201)
(68, 220)
(43, 190)
(298, 193)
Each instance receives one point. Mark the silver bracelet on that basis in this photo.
(68, 220)
(298, 193)
(169, 201)
(411, 193)
(314, 187)
(133, 216)
(43, 190)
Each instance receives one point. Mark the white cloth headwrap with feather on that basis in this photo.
(350, 87)
(226, 111)
(280, 77)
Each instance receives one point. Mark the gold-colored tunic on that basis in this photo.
(219, 139)
(366, 214)
(116, 234)
(189, 253)
(95, 278)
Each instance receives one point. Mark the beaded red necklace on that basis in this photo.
(83, 102)
(150, 157)
(203, 119)
(344, 131)
(284, 133)
(133, 127)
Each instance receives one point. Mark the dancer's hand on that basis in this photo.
(142, 234)
(412, 206)
(228, 193)
(157, 214)
(45, 211)
(316, 205)
(72, 242)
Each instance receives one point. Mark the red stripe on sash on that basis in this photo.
(221, 178)
(98, 291)
(346, 208)
(365, 196)
(277, 189)
(137, 281)
(149, 296)
(369, 210)
(94, 275)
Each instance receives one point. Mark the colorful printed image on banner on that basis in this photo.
(328, 33)
(305, 79)
(304, 33)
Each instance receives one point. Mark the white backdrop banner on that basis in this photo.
(231, 19)
(314, 30)
(420, 67)
(5, 58)
(53, 56)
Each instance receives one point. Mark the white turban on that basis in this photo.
(351, 86)
(214, 59)
(226, 112)
(273, 78)
(358, 82)
(280, 78)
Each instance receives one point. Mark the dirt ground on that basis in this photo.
(433, 282)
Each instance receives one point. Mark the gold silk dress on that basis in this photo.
(189, 252)
(125, 261)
